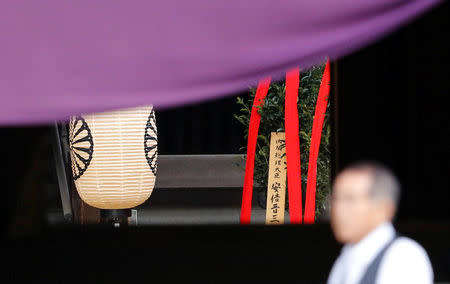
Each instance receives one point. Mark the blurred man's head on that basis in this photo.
(364, 196)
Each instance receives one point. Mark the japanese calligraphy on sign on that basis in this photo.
(276, 187)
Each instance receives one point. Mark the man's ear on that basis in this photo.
(389, 209)
(384, 209)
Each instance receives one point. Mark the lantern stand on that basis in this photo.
(60, 164)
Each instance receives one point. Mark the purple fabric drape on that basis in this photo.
(60, 58)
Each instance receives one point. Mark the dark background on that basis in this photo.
(205, 128)
(390, 102)
(393, 104)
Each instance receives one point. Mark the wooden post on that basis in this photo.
(276, 187)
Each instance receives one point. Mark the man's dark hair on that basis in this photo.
(384, 183)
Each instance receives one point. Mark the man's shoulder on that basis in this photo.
(404, 247)
(406, 260)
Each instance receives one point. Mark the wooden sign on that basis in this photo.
(276, 187)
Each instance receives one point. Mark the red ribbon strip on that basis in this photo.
(255, 119)
(293, 146)
(319, 116)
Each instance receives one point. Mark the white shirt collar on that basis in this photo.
(364, 252)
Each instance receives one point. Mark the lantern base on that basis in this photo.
(116, 217)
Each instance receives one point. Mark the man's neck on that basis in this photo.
(371, 231)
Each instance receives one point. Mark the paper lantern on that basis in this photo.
(114, 157)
